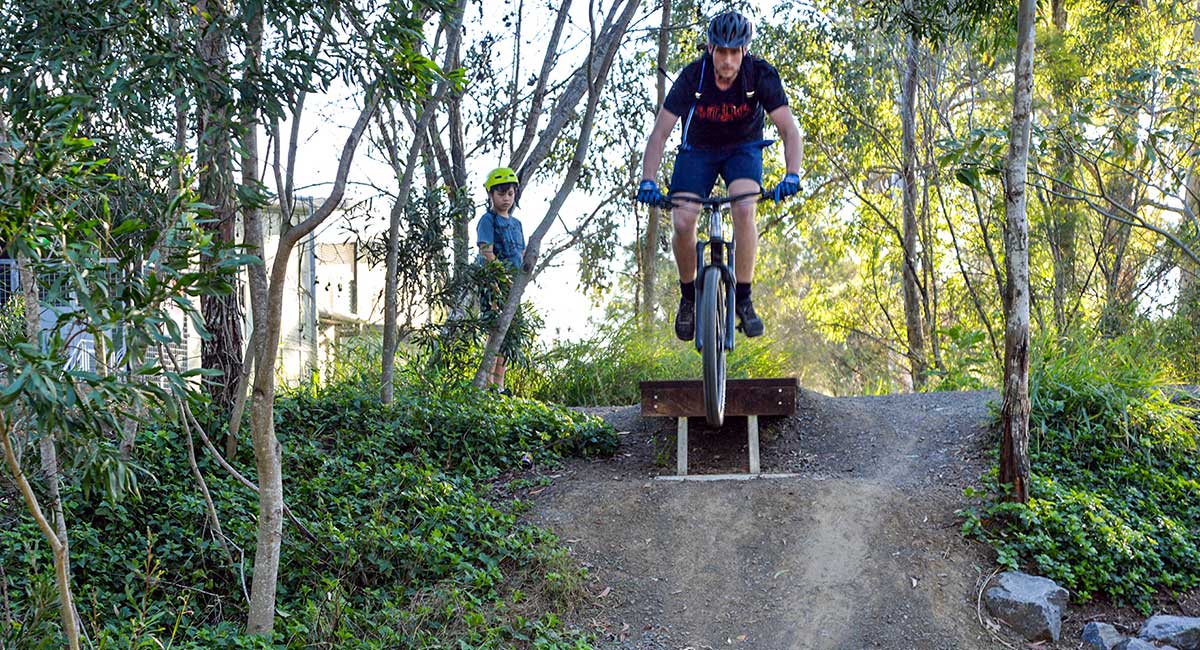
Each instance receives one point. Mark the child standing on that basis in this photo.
(500, 237)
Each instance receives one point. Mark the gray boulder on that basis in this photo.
(1101, 636)
(1134, 643)
(1182, 632)
(1030, 605)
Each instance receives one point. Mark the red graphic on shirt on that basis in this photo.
(723, 112)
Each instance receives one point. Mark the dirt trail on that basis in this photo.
(860, 550)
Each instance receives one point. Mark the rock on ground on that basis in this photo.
(1182, 632)
(1031, 605)
(1101, 636)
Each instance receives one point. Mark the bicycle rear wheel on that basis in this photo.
(712, 324)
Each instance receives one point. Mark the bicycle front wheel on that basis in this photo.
(712, 328)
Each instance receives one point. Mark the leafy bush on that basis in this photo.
(407, 547)
(606, 368)
(1115, 477)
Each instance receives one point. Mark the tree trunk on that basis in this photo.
(252, 233)
(267, 453)
(1119, 276)
(54, 527)
(420, 132)
(222, 313)
(912, 293)
(594, 85)
(650, 254)
(1014, 413)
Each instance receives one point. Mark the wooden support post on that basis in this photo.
(752, 431)
(681, 448)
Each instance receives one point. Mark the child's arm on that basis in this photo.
(484, 233)
(487, 251)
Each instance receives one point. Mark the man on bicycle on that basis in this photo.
(723, 96)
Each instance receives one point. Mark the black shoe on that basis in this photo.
(685, 320)
(751, 325)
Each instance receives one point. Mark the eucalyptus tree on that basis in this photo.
(588, 80)
(381, 56)
(520, 106)
(215, 115)
(1014, 411)
(405, 169)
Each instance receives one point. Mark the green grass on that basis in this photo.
(605, 369)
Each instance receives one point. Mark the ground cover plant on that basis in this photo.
(1115, 476)
(403, 542)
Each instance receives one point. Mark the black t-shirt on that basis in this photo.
(725, 118)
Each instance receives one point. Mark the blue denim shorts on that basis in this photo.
(696, 170)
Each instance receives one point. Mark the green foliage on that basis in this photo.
(968, 359)
(1115, 477)
(409, 548)
(12, 317)
(606, 368)
(1179, 336)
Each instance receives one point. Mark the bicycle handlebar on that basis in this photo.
(714, 202)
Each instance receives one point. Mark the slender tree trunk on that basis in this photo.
(1014, 413)
(912, 293)
(54, 526)
(599, 67)
(420, 132)
(252, 232)
(267, 452)
(222, 313)
(650, 255)
(1188, 302)
(1119, 277)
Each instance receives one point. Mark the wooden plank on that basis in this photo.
(685, 398)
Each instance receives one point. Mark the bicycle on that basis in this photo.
(715, 282)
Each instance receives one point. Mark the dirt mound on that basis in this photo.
(860, 550)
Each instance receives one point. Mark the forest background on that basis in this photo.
(144, 146)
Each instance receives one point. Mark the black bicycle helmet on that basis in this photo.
(730, 29)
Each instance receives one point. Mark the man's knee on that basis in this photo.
(743, 214)
(683, 219)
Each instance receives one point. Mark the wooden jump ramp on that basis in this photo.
(751, 398)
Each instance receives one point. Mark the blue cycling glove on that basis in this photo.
(649, 193)
(789, 186)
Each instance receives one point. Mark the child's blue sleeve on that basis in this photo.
(485, 231)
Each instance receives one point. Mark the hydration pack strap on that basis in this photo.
(683, 146)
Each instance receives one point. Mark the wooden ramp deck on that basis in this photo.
(684, 398)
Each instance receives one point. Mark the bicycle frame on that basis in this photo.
(718, 249)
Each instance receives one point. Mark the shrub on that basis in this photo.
(1115, 477)
(408, 546)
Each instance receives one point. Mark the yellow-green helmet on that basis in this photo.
(500, 176)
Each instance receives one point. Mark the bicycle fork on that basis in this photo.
(718, 247)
